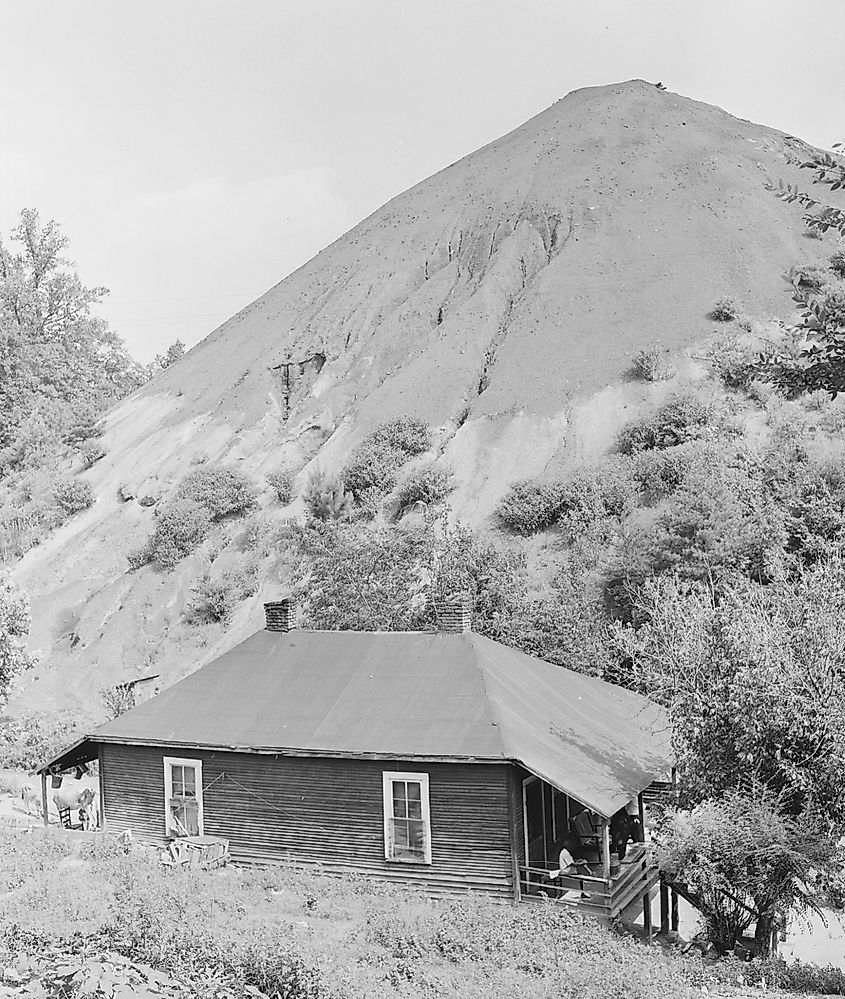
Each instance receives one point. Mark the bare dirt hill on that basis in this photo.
(501, 300)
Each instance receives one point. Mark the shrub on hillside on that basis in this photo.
(732, 363)
(837, 261)
(325, 498)
(833, 302)
(91, 453)
(428, 483)
(214, 599)
(650, 365)
(813, 276)
(724, 311)
(584, 497)
(221, 490)
(405, 433)
(592, 494)
(181, 526)
(374, 462)
(680, 419)
(73, 495)
(660, 472)
(281, 482)
(530, 505)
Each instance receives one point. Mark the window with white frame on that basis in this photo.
(182, 796)
(407, 827)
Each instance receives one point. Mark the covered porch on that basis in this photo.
(605, 884)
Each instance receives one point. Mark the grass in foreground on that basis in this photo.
(282, 932)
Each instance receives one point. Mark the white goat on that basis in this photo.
(31, 799)
(78, 796)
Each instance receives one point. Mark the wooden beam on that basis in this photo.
(673, 898)
(605, 849)
(664, 909)
(647, 916)
(641, 811)
(101, 804)
(44, 814)
(514, 827)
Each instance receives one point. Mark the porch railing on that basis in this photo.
(607, 896)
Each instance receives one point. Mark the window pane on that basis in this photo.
(400, 810)
(400, 833)
(413, 790)
(416, 836)
(184, 818)
(414, 809)
(189, 777)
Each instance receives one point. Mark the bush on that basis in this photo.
(215, 599)
(660, 473)
(325, 497)
(91, 453)
(724, 311)
(281, 481)
(222, 491)
(680, 419)
(73, 495)
(181, 526)
(813, 276)
(833, 301)
(732, 363)
(530, 505)
(593, 494)
(405, 434)
(789, 976)
(837, 261)
(374, 462)
(578, 501)
(649, 364)
(429, 483)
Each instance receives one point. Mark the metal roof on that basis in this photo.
(411, 695)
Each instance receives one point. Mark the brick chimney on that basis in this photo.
(280, 615)
(454, 614)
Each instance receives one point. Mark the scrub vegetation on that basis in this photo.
(78, 907)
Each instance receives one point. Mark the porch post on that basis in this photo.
(605, 849)
(664, 909)
(641, 812)
(673, 898)
(44, 814)
(101, 804)
(647, 916)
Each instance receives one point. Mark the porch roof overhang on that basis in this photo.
(84, 750)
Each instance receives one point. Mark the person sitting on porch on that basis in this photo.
(568, 865)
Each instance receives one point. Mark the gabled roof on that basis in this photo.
(411, 695)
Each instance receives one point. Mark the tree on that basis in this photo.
(385, 578)
(743, 861)
(14, 627)
(753, 678)
(57, 359)
(814, 356)
(171, 355)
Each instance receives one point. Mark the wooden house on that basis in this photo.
(444, 759)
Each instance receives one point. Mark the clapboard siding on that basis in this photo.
(326, 811)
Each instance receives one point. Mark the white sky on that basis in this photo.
(197, 151)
